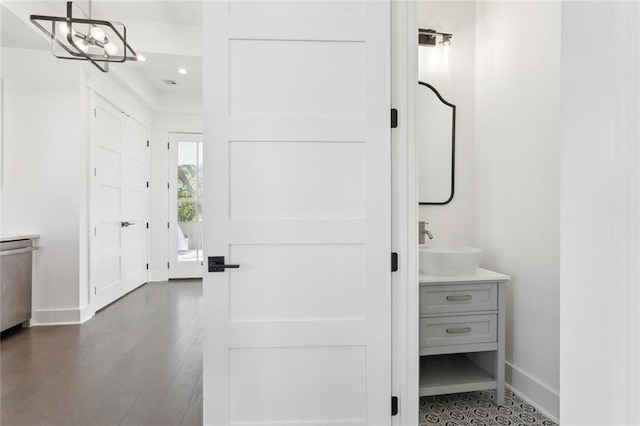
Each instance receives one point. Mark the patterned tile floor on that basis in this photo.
(478, 409)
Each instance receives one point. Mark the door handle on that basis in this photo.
(127, 224)
(216, 264)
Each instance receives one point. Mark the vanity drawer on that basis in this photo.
(459, 330)
(452, 298)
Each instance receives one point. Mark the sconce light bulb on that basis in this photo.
(446, 49)
(110, 49)
(97, 33)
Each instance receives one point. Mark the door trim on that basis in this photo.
(404, 239)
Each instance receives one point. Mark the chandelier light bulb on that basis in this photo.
(64, 30)
(82, 45)
(111, 49)
(97, 33)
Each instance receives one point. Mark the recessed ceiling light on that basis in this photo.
(182, 71)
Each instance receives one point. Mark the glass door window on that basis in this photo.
(185, 205)
(189, 206)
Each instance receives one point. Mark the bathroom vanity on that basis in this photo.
(462, 333)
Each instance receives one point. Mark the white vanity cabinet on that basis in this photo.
(462, 333)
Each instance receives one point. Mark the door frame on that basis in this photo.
(405, 357)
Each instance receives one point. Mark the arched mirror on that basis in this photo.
(436, 135)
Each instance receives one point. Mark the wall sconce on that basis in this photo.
(428, 38)
(86, 39)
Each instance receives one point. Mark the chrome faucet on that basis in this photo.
(422, 231)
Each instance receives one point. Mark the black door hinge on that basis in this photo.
(167, 265)
(147, 184)
(394, 405)
(394, 262)
(394, 118)
(147, 144)
(147, 266)
(147, 225)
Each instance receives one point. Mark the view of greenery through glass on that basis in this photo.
(189, 205)
(189, 192)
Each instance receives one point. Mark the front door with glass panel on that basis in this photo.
(185, 205)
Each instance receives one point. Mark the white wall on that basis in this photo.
(179, 104)
(517, 182)
(44, 152)
(1, 131)
(163, 124)
(454, 78)
(46, 171)
(599, 214)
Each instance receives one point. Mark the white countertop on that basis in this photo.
(480, 276)
(19, 237)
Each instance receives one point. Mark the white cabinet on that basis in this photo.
(462, 333)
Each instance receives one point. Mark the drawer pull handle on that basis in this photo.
(458, 330)
(462, 297)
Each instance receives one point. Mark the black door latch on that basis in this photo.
(216, 264)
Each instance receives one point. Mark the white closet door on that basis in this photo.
(119, 203)
(135, 203)
(297, 193)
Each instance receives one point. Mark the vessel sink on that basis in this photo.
(449, 259)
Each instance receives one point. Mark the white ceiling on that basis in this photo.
(167, 33)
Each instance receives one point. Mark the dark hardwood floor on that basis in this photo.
(137, 362)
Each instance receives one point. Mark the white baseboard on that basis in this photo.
(538, 394)
(158, 276)
(61, 316)
(86, 313)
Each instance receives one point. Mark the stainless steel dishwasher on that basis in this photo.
(15, 280)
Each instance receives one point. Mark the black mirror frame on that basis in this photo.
(453, 146)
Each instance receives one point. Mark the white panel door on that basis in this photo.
(119, 203)
(297, 193)
(135, 204)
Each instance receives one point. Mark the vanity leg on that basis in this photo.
(499, 358)
(498, 399)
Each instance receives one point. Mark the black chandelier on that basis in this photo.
(86, 39)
